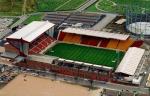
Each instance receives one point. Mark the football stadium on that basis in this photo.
(89, 47)
(76, 52)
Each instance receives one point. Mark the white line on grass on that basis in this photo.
(97, 4)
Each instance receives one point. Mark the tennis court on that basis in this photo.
(92, 55)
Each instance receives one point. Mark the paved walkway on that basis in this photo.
(104, 22)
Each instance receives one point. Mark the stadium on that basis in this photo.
(76, 52)
(89, 47)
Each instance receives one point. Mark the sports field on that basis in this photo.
(86, 54)
(58, 5)
(119, 6)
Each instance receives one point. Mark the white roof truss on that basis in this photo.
(96, 33)
(32, 31)
(131, 60)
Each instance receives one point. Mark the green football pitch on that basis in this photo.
(86, 54)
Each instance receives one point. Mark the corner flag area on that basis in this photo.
(98, 56)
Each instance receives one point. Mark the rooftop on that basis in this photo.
(96, 33)
(31, 31)
(131, 60)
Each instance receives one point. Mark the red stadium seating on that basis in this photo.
(104, 42)
(94, 41)
(61, 36)
(137, 43)
(90, 40)
(84, 40)
(41, 43)
(40, 46)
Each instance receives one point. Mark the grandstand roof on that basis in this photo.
(96, 33)
(32, 31)
(131, 60)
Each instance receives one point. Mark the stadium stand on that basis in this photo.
(94, 41)
(76, 38)
(94, 38)
(71, 38)
(104, 42)
(84, 40)
(40, 44)
(124, 45)
(32, 38)
(113, 44)
(93, 33)
(61, 36)
(137, 43)
(90, 40)
(68, 37)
